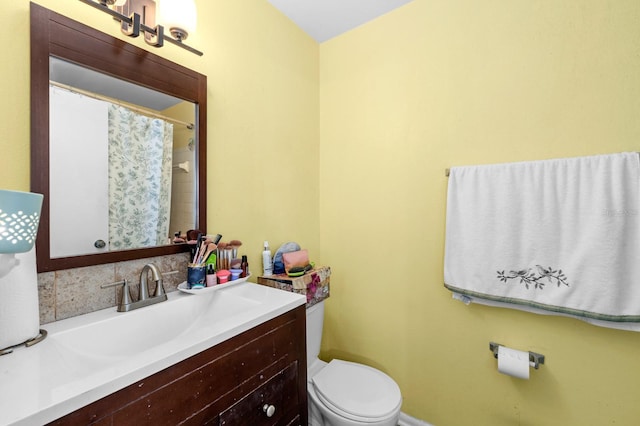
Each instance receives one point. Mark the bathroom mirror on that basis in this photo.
(66, 59)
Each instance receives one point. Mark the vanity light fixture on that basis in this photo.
(180, 15)
(113, 2)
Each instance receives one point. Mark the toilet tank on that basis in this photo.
(315, 319)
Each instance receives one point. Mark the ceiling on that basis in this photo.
(77, 76)
(325, 19)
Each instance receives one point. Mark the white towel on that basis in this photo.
(559, 235)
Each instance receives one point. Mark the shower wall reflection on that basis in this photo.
(113, 148)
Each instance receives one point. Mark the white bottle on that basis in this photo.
(267, 265)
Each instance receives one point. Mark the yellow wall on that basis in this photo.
(182, 135)
(441, 83)
(263, 106)
(354, 171)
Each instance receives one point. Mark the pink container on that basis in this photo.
(223, 276)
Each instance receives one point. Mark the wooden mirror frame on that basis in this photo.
(55, 35)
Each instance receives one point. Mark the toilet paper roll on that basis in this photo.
(513, 362)
(19, 308)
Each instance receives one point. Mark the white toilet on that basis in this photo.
(345, 393)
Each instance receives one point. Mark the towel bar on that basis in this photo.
(535, 358)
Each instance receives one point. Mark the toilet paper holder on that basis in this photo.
(534, 358)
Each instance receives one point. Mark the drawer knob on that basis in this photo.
(269, 410)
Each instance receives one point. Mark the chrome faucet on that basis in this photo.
(127, 304)
(157, 277)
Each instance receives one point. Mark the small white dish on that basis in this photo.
(183, 286)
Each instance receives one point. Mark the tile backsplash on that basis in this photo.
(72, 292)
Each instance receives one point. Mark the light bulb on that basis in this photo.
(178, 16)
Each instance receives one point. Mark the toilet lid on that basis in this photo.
(357, 391)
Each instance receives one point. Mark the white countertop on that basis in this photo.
(88, 357)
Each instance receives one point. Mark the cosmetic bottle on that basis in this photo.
(267, 266)
(211, 276)
(244, 266)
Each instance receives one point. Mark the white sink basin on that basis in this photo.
(132, 333)
(87, 357)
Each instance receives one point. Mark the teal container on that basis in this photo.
(19, 219)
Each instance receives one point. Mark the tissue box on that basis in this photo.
(314, 284)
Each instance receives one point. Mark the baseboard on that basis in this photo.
(407, 420)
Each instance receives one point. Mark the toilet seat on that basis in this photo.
(357, 392)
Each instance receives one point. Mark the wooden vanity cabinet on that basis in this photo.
(241, 381)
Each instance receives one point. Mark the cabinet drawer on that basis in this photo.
(268, 404)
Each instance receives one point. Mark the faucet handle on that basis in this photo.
(159, 288)
(126, 294)
(125, 297)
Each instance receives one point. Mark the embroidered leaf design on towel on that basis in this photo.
(537, 278)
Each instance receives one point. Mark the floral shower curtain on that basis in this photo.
(140, 167)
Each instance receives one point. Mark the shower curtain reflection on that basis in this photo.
(140, 162)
